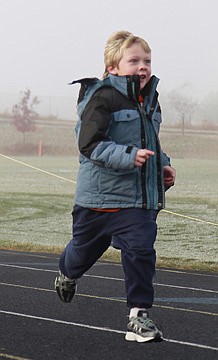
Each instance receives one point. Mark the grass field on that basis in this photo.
(35, 212)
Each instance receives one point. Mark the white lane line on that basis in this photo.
(117, 299)
(157, 284)
(62, 322)
(112, 278)
(186, 288)
(100, 328)
(107, 263)
(102, 262)
(191, 344)
(182, 272)
(12, 357)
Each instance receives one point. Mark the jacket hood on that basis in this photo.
(128, 85)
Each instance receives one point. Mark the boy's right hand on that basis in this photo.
(141, 156)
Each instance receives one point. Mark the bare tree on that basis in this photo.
(183, 103)
(24, 114)
(209, 110)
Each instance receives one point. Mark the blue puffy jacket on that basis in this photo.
(112, 126)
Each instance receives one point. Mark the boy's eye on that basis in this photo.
(133, 61)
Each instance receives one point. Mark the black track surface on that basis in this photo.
(36, 325)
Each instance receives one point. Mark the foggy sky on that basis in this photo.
(47, 43)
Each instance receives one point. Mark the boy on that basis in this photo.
(122, 179)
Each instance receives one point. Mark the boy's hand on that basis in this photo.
(169, 176)
(141, 156)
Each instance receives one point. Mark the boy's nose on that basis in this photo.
(142, 66)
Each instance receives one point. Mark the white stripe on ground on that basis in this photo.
(101, 329)
(112, 299)
(105, 263)
(112, 278)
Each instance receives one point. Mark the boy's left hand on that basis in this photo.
(169, 176)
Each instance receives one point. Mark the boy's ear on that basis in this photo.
(112, 70)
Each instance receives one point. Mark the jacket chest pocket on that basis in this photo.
(125, 127)
(157, 120)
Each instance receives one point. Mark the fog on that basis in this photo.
(47, 43)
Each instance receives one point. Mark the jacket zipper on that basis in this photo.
(143, 168)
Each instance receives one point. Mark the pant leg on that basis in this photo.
(134, 232)
(138, 255)
(90, 240)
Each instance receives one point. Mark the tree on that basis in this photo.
(183, 103)
(209, 110)
(24, 114)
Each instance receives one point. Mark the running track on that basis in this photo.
(36, 325)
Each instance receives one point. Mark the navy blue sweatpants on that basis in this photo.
(133, 231)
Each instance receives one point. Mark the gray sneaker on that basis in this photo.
(65, 288)
(142, 329)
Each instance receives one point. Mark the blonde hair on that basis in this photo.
(116, 44)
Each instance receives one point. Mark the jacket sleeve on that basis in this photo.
(157, 120)
(94, 142)
(165, 159)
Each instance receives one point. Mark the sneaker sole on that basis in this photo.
(131, 336)
(56, 284)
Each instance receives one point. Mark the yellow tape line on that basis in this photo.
(36, 168)
(189, 217)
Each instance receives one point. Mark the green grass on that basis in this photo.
(35, 212)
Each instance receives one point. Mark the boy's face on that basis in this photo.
(135, 61)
